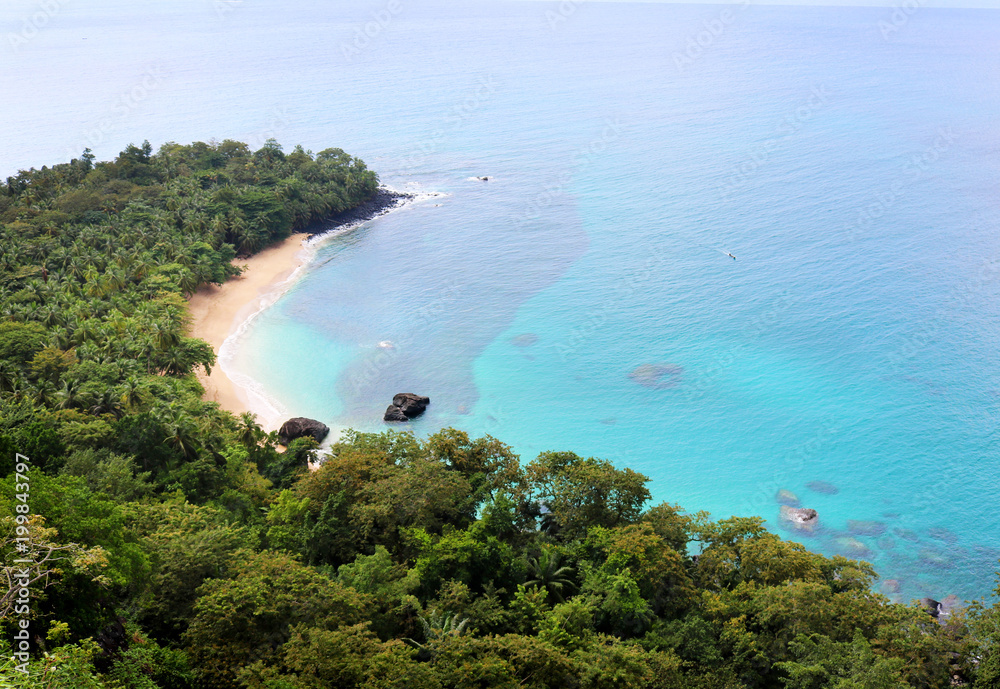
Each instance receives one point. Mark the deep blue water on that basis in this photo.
(852, 171)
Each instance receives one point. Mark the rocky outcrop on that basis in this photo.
(394, 413)
(380, 203)
(932, 607)
(300, 427)
(800, 517)
(406, 406)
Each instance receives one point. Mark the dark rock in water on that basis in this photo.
(890, 515)
(412, 405)
(406, 406)
(942, 534)
(799, 517)
(932, 607)
(657, 376)
(524, 340)
(906, 535)
(822, 487)
(300, 427)
(786, 497)
(394, 413)
(865, 528)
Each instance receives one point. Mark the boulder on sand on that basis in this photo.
(406, 406)
(300, 427)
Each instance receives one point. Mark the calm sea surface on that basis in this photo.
(850, 163)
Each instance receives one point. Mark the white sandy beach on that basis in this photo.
(217, 312)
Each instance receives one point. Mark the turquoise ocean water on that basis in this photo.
(849, 160)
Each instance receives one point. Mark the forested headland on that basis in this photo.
(171, 544)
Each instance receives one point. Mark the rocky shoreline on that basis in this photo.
(383, 201)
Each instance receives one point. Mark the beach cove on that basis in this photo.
(583, 298)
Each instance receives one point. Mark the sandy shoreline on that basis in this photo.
(218, 311)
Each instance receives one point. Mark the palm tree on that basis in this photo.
(248, 431)
(8, 376)
(131, 393)
(550, 576)
(69, 395)
(437, 628)
(179, 429)
(107, 403)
